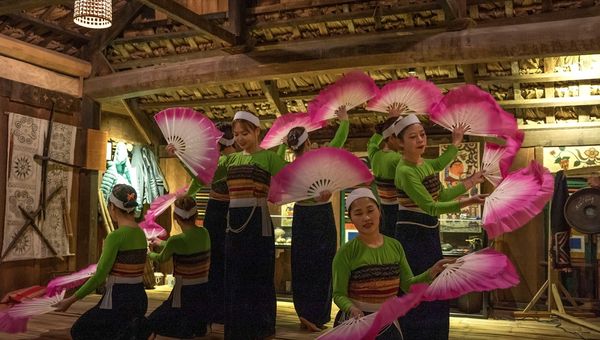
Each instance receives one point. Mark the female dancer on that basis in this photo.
(215, 221)
(313, 236)
(250, 304)
(185, 313)
(372, 267)
(120, 312)
(383, 161)
(422, 199)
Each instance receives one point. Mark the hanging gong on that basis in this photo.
(582, 210)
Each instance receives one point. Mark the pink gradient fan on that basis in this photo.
(517, 199)
(330, 169)
(153, 230)
(410, 95)
(394, 308)
(194, 139)
(283, 124)
(9, 324)
(157, 207)
(61, 283)
(350, 329)
(476, 108)
(352, 90)
(483, 270)
(497, 159)
(36, 306)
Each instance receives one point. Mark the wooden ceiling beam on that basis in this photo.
(7, 7)
(143, 62)
(43, 57)
(476, 45)
(269, 88)
(193, 20)
(143, 123)
(120, 20)
(51, 27)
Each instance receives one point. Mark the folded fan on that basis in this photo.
(476, 108)
(352, 90)
(410, 95)
(497, 159)
(517, 199)
(350, 329)
(35, 306)
(61, 283)
(483, 270)
(194, 138)
(283, 124)
(324, 169)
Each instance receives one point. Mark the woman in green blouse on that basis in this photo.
(422, 199)
(120, 312)
(372, 268)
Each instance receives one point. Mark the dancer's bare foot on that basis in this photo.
(309, 325)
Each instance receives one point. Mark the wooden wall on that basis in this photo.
(36, 102)
(120, 128)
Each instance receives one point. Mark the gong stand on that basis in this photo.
(582, 211)
(30, 219)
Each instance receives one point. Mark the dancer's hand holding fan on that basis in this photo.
(483, 270)
(352, 90)
(401, 97)
(283, 124)
(324, 169)
(497, 159)
(61, 283)
(476, 108)
(193, 138)
(517, 199)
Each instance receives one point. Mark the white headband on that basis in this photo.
(114, 200)
(404, 122)
(247, 116)
(303, 137)
(226, 142)
(359, 193)
(185, 214)
(390, 129)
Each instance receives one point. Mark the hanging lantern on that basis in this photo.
(93, 13)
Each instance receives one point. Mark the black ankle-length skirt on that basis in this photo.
(124, 321)
(215, 221)
(419, 234)
(250, 301)
(313, 248)
(189, 320)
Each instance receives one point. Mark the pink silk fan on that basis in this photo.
(36, 306)
(157, 207)
(352, 90)
(330, 169)
(483, 270)
(497, 159)
(61, 283)
(283, 124)
(476, 108)
(410, 95)
(517, 199)
(194, 138)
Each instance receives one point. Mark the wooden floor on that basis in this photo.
(57, 325)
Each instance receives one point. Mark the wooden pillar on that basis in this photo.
(87, 214)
